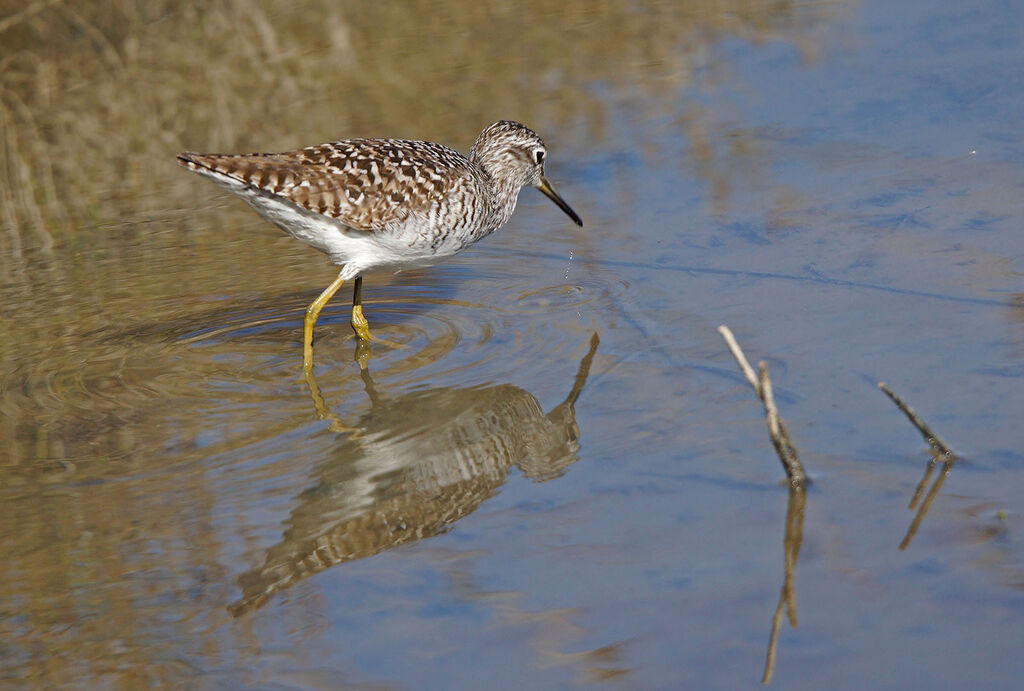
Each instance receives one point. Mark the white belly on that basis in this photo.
(356, 250)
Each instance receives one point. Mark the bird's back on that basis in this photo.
(371, 185)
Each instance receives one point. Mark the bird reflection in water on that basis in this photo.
(412, 466)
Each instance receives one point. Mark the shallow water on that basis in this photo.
(557, 475)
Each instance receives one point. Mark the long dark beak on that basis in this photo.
(550, 193)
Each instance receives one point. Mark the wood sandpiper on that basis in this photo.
(385, 203)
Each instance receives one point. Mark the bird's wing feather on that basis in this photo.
(365, 184)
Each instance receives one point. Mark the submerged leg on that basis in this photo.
(322, 411)
(312, 312)
(359, 323)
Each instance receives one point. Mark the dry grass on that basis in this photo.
(95, 97)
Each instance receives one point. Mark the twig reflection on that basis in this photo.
(791, 542)
(919, 516)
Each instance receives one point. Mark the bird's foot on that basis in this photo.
(359, 324)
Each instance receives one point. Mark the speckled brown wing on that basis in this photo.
(366, 184)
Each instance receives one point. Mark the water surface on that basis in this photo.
(559, 477)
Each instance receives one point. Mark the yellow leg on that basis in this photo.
(312, 312)
(359, 323)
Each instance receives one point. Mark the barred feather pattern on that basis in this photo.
(411, 200)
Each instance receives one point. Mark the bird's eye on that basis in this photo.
(539, 153)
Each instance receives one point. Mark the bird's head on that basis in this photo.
(514, 155)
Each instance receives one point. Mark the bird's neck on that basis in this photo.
(504, 189)
(504, 200)
(504, 193)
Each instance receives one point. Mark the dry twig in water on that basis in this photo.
(762, 386)
(940, 452)
(939, 447)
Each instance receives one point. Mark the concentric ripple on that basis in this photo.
(223, 369)
(429, 326)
